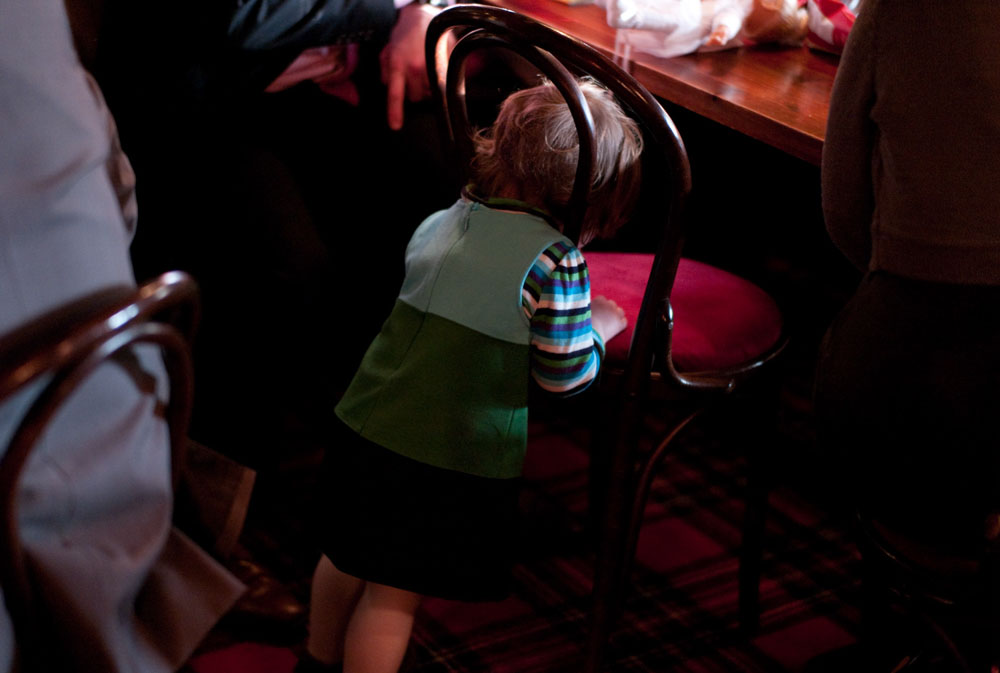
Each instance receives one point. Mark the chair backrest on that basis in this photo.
(66, 345)
(666, 179)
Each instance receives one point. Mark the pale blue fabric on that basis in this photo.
(478, 282)
(123, 591)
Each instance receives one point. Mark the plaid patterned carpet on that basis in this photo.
(681, 614)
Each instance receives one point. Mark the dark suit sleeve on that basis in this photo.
(263, 37)
(849, 148)
(196, 49)
(258, 25)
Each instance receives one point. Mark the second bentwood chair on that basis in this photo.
(698, 336)
(949, 598)
(60, 350)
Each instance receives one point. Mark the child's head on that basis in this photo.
(530, 153)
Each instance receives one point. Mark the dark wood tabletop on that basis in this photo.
(778, 95)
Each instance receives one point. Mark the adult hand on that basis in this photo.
(330, 67)
(319, 64)
(404, 69)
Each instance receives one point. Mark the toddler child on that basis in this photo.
(422, 480)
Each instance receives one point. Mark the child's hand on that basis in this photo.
(607, 317)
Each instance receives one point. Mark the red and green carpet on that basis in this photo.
(681, 613)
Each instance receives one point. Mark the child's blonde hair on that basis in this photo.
(532, 149)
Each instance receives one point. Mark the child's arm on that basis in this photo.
(566, 350)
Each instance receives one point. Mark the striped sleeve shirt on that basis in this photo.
(565, 350)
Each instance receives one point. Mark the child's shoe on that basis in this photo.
(309, 664)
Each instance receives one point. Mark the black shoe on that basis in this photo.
(268, 611)
(309, 664)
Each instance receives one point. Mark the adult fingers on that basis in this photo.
(417, 86)
(396, 93)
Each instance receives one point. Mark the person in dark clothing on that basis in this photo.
(906, 385)
(261, 134)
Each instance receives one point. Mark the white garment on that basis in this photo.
(668, 28)
(124, 591)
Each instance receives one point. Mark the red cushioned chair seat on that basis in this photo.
(720, 320)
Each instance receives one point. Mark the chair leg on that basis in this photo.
(598, 481)
(752, 544)
(879, 624)
(624, 506)
(756, 417)
(640, 494)
(992, 564)
(606, 599)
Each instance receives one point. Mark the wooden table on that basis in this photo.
(778, 95)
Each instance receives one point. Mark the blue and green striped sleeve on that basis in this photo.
(565, 350)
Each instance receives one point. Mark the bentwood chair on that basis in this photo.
(947, 598)
(698, 336)
(58, 351)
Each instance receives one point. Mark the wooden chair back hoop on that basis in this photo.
(68, 343)
(14, 573)
(561, 78)
(666, 187)
(173, 298)
(48, 342)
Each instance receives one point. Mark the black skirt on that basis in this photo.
(396, 521)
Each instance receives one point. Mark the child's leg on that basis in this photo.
(332, 600)
(379, 630)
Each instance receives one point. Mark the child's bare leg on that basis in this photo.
(379, 630)
(332, 600)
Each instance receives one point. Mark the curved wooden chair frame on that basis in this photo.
(67, 345)
(936, 586)
(649, 371)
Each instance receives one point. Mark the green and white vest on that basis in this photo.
(446, 380)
